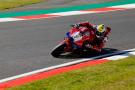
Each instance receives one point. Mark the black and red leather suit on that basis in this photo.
(97, 43)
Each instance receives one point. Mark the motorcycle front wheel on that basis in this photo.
(58, 50)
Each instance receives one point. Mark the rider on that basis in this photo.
(101, 34)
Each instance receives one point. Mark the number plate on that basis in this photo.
(76, 36)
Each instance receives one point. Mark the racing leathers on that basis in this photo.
(98, 42)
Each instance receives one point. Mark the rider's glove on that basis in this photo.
(105, 39)
(75, 25)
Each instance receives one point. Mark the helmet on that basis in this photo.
(100, 30)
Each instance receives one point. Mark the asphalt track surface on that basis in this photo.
(26, 45)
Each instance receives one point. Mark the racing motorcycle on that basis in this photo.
(76, 40)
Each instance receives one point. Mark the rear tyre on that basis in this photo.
(58, 50)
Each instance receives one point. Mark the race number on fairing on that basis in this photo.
(76, 36)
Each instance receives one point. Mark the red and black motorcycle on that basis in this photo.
(76, 40)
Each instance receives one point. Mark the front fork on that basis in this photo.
(68, 47)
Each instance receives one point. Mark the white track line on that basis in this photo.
(62, 65)
(132, 53)
(70, 13)
(129, 6)
(10, 19)
(117, 57)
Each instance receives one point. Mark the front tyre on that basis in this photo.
(58, 50)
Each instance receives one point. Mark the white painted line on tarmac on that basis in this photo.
(117, 57)
(9, 19)
(122, 56)
(71, 13)
(132, 53)
(129, 6)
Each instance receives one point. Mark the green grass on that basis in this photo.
(114, 75)
(7, 4)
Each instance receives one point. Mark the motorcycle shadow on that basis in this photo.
(88, 54)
